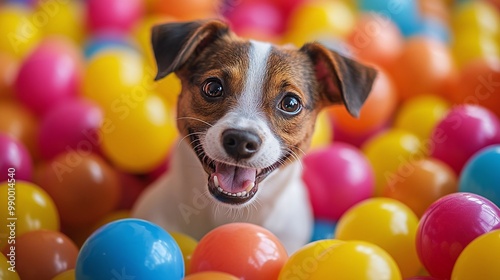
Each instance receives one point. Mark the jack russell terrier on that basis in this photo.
(246, 112)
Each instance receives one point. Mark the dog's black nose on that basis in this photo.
(240, 144)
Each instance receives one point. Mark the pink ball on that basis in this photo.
(49, 75)
(73, 125)
(13, 154)
(117, 15)
(337, 177)
(464, 131)
(448, 225)
(262, 16)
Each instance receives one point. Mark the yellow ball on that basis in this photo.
(30, 206)
(478, 17)
(112, 74)
(469, 45)
(66, 18)
(391, 154)
(323, 134)
(479, 260)
(187, 245)
(319, 19)
(67, 275)
(387, 223)
(420, 115)
(5, 272)
(356, 260)
(20, 29)
(138, 132)
(306, 260)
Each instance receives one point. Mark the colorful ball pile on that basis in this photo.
(407, 190)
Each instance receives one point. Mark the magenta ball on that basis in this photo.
(261, 16)
(14, 155)
(448, 226)
(337, 177)
(465, 130)
(73, 125)
(116, 15)
(49, 75)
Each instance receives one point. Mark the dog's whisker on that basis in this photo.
(196, 119)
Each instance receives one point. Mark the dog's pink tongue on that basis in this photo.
(234, 179)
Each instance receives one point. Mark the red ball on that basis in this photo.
(251, 16)
(244, 250)
(337, 177)
(116, 15)
(448, 226)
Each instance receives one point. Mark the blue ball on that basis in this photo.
(130, 249)
(481, 174)
(323, 229)
(434, 29)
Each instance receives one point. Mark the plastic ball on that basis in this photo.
(20, 29)
(478, 17)
(187, 245)
(152, 120)
(323, 134)
(67, 275)
(434, 28)
(73, 125)
(422, 68)
(6, 270)
(387, 223)
(106, 40)
(427, 180)
(187, 9)
(112, 73)
(319, 19)
(131, 188)
(254, 15)
(448, 226)
(306, 260)
(377, 110)
(475, 263)
(233, 248)
(376, 39)
(480, 174)
(65, 18)
(404, 14)
(449, 143)
(34, 209)
(391, 153)
(211, 276)
(42, 254)
(355, 260)
(477, 84)
(357, 140)
(84, 187)
(113, 14)
(51, 74)
(469, 45)
(8, 73)
(130, 248)
(420, 115)
(323, 229)
(14, 155)
(337, 177)
(19, 123)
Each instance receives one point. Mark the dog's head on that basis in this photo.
(249, 108)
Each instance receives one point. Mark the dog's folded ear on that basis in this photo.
(174, 43)
(341, 80)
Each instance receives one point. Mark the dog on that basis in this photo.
(246, 114)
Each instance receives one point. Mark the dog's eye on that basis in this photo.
(290, 104)
(212, 88)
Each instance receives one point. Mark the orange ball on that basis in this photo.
(377, 110)
(19, 123)
(422, 68)
(376, 39)
(426, 181)
(8, 71)
(84, 187)
(187, 9)
(478, 84)
(43, 254)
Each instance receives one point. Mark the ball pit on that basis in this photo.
(427, 138)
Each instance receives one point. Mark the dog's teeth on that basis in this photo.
(243, 193)
(250, 186)
(216, 182)
(238, 194)
(219, 189)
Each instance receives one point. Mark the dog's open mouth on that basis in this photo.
(232, 184)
